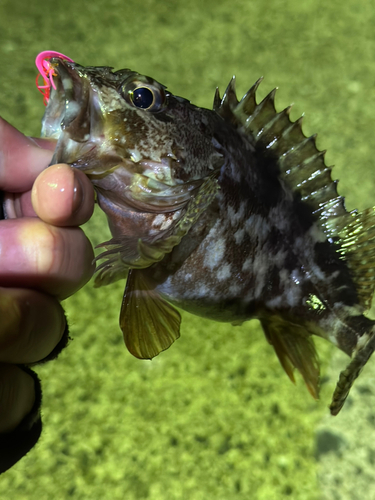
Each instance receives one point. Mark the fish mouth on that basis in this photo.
(73, 117)
(67, 102)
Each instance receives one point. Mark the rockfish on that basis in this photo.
(230, 214)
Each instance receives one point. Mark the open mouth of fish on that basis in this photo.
(71, 116)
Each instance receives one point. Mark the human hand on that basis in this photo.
(44, 257)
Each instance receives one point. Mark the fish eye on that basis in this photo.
(142, 95)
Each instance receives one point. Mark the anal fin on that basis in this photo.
(295, 349)
(148, 322)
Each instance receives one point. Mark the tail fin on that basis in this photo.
(347, 377)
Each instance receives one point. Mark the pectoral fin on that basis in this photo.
(112, 269)
(295, 349)
(149, 323)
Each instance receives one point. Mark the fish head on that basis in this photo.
(147, 152)
(103, 119)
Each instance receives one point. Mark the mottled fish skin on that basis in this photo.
(230, 214)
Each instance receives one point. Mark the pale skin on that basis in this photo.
(44, 258)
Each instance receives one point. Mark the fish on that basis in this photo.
(228, 213)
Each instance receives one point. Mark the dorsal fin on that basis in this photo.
(301, 164)
(303, 169)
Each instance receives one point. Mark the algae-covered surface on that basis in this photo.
(214, 417)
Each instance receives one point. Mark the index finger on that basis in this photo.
(21, 158)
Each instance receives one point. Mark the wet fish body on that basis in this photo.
(229, 213)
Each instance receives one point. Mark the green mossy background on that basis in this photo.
(214, 417)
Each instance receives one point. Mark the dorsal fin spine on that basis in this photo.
(262, 114)
(229, 99)
(217, 100)
(248, 103)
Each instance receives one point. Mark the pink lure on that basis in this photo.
(47, 72)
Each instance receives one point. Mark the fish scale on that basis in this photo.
(228, 213)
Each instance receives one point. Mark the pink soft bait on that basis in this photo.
(47, 71)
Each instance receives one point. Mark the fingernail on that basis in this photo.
(77, 193)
